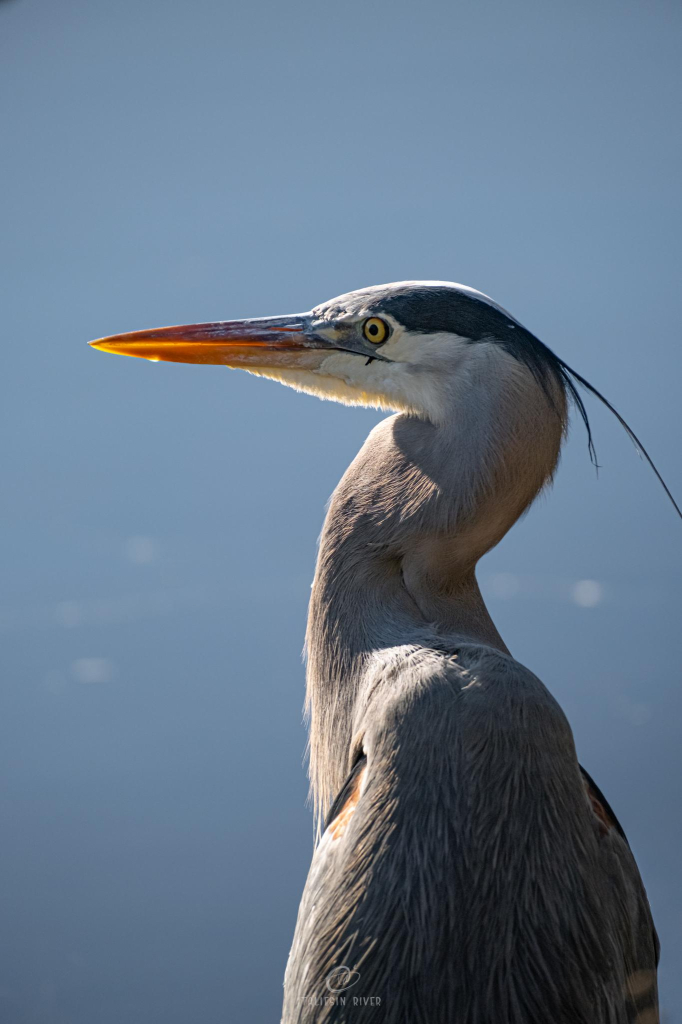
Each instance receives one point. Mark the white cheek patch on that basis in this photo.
(365, 382)
(346, 389)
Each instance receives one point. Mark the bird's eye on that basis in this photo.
(375, 330)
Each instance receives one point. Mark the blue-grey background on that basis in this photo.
(165, 162)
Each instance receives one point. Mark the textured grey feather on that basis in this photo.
(472, 885)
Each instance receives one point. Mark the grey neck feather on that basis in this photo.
(414, 512)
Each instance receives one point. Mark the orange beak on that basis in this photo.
(272, 341)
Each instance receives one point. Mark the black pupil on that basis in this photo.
(373, 329)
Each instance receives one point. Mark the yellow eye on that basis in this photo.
(375, 330)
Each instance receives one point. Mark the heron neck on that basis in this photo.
(406, 526)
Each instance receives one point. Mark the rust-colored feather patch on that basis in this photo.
(340, 822)
(606, 822)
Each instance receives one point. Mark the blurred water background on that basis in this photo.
(167, 162)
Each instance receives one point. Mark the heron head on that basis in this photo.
(407, 346)
(411, 346)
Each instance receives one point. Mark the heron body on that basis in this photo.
(468, 872)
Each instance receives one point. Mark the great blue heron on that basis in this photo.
(468, 871)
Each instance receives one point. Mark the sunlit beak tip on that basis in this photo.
(112, 345)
